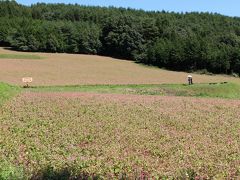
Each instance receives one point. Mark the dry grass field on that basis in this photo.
(70, 69)
(105, 135)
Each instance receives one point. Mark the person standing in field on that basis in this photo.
(190, 81)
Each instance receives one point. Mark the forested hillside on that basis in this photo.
(191, 41)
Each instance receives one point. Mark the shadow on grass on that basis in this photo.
(68, 174)
(63, 174)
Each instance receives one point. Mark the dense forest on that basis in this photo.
(176, 41)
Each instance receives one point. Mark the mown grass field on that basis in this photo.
(7, 91)
(19, 56)
(74, 69)
(218, 90)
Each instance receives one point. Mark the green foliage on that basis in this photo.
(8, 171)
(218, 90)
(187, 174)
(7, 91)
(19, 56)
(188, 42)
(121, 38)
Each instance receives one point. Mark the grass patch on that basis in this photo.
(228, 90)
(7, 91)
(19, 56)
(9, 171)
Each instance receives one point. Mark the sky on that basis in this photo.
(225, 7)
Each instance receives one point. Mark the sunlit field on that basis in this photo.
(117, 90)
(98, 117)
(97, 135)
(75, 69)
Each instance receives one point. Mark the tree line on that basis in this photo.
(176, 41)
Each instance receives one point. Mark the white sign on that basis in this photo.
(27, 79)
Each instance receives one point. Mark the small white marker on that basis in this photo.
(27, 80)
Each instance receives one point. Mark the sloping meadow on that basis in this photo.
(81, 135)
(74, 69)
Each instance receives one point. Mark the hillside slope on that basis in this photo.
(180, 42)
(69, 69)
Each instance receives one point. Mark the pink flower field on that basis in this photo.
(113, 136)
